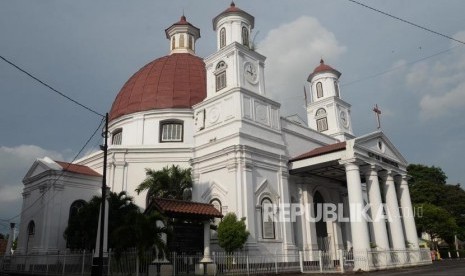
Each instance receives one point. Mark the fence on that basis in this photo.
(131, 263)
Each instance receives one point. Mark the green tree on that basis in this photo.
(170, 182)
(140, 231)
(127, 226)
(421, 173)
(232, 233)
(436, 221)
(428, 185)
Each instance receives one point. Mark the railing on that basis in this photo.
(66, 263)
(241, 263)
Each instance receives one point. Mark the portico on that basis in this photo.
(369, 175)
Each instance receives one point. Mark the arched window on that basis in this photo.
(245, 36)
(171, 131)
(173, 43)
(181, 41)
(117, 137)
(220, 74)
(321, 120)
(319, 90)
(267, 218)
(191, 43)
(222, 37)
(31, 231)
(336, 88)
(218, 206)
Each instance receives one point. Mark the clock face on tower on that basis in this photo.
(250, 72)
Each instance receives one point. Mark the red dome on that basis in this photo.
(174, 81)
(323, 68)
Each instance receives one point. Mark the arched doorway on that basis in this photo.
(323, 240)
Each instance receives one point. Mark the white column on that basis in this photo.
(206, 243)
(11, 238)
(288, 240)
(358, 224)
(303, 224)
(392, 209)
(312, 240)
(407, 213)
(346, 214)
(376, 204)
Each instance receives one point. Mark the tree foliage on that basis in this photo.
(170, 182)
(232, 233)
(428, 188)
(127, 226)
(437, 222)
(421, 173)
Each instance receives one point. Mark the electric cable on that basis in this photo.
(62, 172)
(51, 88)
(408, 22)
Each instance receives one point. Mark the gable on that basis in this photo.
(42, 165)
(378, 144)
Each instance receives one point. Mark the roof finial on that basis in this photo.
(183, 17)
(322, 61)
(233, 4)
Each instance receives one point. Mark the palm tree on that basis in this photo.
(170, 182)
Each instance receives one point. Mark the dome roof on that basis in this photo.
(174, 81)
(232, 9)
(323, 68)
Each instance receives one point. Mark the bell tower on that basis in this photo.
(182, 36)
(327, 112)
(235, 64)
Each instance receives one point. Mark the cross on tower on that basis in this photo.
(378, 113)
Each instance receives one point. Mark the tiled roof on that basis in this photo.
(182, 22)
(320, 151)
(233, 9)
(323, 68)
(173, 81)
(186, 208)
(75, 168)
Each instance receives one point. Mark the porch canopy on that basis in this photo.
(369, 167)
(182, 209)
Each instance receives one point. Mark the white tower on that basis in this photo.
(235, 64)
(327, 112)
(182, 36)
(239, 159)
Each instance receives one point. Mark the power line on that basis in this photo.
(397, 67)
(51, 88)
(60, 175)
(406, 21)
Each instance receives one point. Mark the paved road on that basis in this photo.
(439, 268)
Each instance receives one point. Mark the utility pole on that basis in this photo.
(98, 270)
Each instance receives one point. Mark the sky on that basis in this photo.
(88, 49)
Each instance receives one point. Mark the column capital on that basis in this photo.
(348, 161)
(404, 178)
(386, 173)
(350, 164)
(369, 169)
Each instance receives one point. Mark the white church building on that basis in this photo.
(213, 115)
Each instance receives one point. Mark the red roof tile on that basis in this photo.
(75, 168)
(233, 9)
(181, 22)
(323, 68)
(183, 208)
(174, 81)
(321, 151)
